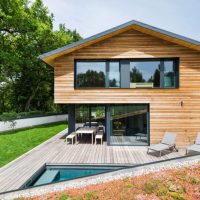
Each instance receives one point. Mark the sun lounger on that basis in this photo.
(195, 146)
(168, 142)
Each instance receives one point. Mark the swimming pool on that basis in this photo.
(56, 173)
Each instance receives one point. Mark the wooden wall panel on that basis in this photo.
(166, 112)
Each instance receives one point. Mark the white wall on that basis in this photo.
(28, 122)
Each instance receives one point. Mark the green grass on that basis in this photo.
(15, 143)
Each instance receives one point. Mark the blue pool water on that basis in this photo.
(52, 174)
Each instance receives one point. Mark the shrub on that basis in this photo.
(64, 196)
(8, 116)
(177, 196)
(149, 188)
(129, 185)
(193, 180)
(172, 188)
(162, 192)
(90, 196)
(35, 112)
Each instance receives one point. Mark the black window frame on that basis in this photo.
(128, 60)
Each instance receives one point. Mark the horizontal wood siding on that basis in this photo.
(166, 112)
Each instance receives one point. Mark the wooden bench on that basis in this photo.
(72, 136)
(99, 136)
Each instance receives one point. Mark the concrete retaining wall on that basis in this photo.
(28, 122)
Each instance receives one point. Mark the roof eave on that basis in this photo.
(188, 42)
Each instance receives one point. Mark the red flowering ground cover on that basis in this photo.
(178, 184)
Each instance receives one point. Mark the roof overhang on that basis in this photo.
(144, 28)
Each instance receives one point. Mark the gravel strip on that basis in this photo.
(116, 175)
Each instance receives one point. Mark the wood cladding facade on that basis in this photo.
(167, 113)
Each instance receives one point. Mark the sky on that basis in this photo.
(90, 17)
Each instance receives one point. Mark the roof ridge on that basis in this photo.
(129, 23)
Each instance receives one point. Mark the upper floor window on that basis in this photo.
(133, 73)
(114, 74)
(169, 70)
(91, 74)
(145, 74)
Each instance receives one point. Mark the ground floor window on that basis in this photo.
(123, 124)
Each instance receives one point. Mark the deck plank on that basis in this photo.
(55, 150)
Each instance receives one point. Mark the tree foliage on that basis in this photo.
(91, 78)
(26, 31)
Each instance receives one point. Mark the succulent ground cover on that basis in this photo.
(176, 184)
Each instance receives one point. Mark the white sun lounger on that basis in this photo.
(168, 142)
(195, 146)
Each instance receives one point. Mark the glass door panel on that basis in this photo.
(92, 115)
(129, 124)
(97, 116)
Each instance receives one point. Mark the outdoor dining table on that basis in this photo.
(91, 131)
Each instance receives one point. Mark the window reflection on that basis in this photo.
(169, 74)
(129, 124)
(91, 74)
(145, 74)
(138, 73)
(114, 74)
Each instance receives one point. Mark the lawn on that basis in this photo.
(15, 143)
(177, 184)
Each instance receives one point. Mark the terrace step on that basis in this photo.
(47, 177)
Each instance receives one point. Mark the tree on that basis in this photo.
(136, 75)
(26, 31)
(91, 78)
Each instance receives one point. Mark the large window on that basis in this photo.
(91, 74)
(145, 74)
(135, 73)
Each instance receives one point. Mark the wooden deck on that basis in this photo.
(55, 150)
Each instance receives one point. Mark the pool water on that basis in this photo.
(52, 174)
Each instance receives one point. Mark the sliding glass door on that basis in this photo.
(129, 124)
(123, 124)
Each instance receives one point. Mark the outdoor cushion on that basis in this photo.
(159, 147)
(194, 147)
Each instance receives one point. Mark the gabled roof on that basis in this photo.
(145, 28)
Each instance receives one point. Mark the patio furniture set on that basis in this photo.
(96, 133)
(167, 143)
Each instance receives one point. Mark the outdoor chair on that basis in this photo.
(195, 146)
(168, 142)
(72, 136)
(99, 136)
